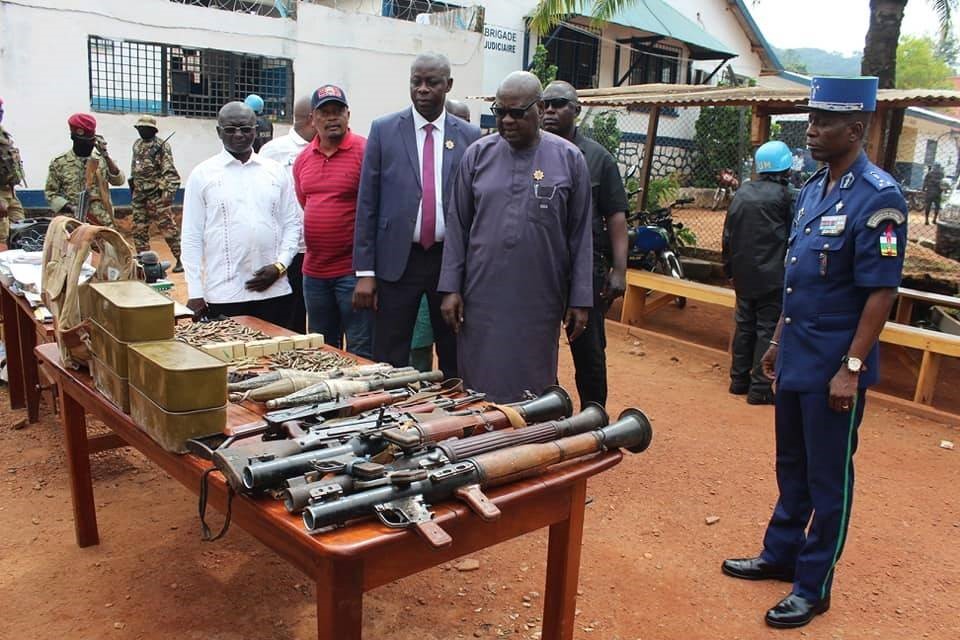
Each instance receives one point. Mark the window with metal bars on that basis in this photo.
(576, 52)
(656, 64)
(143, 77)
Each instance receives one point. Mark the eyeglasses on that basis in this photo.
(232, 131)
(515, 113)
(556, 103)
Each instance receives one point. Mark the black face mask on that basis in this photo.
(83, 148)
(147, 133)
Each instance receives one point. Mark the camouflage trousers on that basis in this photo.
(14, 212)
(148, 210)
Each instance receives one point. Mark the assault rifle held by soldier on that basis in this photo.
(404, 502)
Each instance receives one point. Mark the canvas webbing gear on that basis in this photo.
(207, 533)
(67, 244)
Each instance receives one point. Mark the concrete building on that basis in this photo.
(182, 59)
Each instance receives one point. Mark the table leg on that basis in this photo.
(339, 600)
(563, 569)
(78, 461)
(31, 379)
(11, 339)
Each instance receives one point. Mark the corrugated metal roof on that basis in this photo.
(694, 96)
(656, 16)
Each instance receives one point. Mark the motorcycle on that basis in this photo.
(653, 242)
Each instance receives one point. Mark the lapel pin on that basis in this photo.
(840, 205)
(538, 175)
(449, 144)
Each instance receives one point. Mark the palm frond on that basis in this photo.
(944, 10)
(548, 13)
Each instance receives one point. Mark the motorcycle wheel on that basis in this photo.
(672, 267)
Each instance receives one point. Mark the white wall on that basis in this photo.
(44, 75)
(715, 17)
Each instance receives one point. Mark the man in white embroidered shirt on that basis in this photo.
(241, 227)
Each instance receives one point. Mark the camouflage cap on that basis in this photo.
(147, 121)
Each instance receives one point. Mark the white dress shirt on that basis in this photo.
(237, 218)
(438, 141)
(285, 150)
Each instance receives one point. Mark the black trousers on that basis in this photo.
(756, 320)
(397, 306)
(298, 309)
(932, 200)
(589, 351)
(275, 310)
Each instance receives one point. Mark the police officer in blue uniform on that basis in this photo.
(843, 266)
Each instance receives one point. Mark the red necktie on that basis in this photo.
(428, 206)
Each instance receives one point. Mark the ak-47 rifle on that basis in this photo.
(269, 464)
(404, 502)
(156, 151)
(90, 181)
(360, 474)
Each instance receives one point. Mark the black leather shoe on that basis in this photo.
(178, 268)
(756, 569)
(760, 397)
(739, 388)
(795, 611)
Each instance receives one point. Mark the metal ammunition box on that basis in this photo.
(171, 429)
(113, 387)
(129, 310)
(110, 351)
(176, 376)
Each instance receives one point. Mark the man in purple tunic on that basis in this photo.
(518, 256)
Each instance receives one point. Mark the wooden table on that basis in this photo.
(348, 561)
(21, 333)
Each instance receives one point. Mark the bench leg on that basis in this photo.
(78, 460)
(339, 600)
(927, 380)
(634, 301)
(563, 569)
(11, 338)
(31, 379)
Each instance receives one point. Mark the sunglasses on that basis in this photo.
(556, 103)
(516, 113)
(232, 131)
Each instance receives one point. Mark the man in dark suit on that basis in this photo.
(409, 164)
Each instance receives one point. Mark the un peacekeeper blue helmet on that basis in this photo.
(255, 102)
(847, 95)
(773, 157)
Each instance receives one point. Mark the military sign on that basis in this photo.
(888, 242)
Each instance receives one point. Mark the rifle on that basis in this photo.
(156, 151)
(404, 502)
(425, 400)
(360, 474)
(90, 180)
(328, 390)
(329, 446)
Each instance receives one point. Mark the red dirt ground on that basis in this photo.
(650, 566)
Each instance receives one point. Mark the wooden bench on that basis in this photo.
(908, 297)
(647, 292)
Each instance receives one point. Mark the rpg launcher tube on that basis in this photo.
(296, 497)
(554, 403)
(632, 432)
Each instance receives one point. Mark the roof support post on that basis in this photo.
(759, 127)
(648, 146)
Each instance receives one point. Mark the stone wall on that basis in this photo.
(667, 159)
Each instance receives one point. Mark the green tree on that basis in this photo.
(721, 141)
(541, 67)
(948, 49)
(919, 67)
(603, 128)
(791, 62)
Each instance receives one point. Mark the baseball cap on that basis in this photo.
(328, 93)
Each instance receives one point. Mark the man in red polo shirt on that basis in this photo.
(327, 178)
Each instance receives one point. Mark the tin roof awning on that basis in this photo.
(658, 17)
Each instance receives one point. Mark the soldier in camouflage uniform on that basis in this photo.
(66, 177)
(11, 174)
(153, 183)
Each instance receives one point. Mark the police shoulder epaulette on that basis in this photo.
(879, 179)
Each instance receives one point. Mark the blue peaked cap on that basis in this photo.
(843, 94)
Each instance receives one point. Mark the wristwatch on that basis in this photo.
(854, 364)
